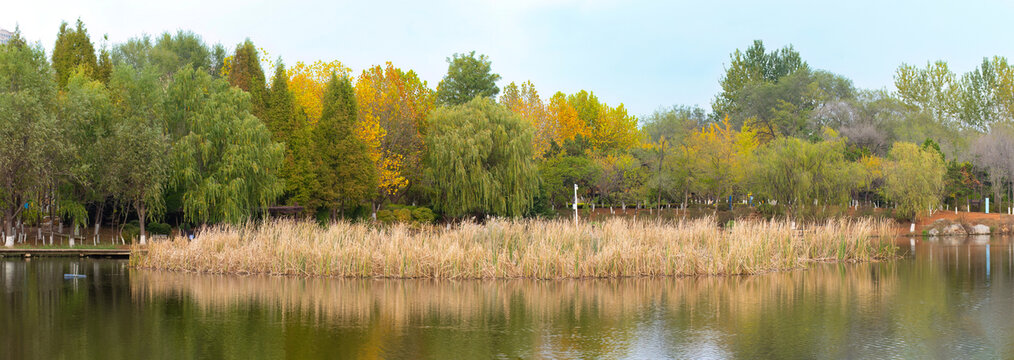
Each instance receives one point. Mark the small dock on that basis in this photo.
(26, 252)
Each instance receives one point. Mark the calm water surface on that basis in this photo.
(945, 299)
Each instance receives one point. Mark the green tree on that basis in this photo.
(224, 162)
(798, 172)
(914, 179)
(750, 67)
(73, 49)
(27, 129)
(288, 125)
(345, 173)
(560, 173)
(245, 72)
(467, 77)
(480, 160)
(140, 148)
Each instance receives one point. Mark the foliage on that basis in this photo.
(245, 72)
(392, 109)
(308, 82)
(223, 158)
(797, 172)
(28, 128)
(914, 180)
(73, 51)
(467, 77)
(346, 177)
(480, 160)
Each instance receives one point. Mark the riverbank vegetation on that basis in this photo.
(170, 130)
(504, 248)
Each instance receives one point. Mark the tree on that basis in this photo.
(751, 67)
(674, 124)
(560, 173)
(480, 160)
(245, 72)
(288, 125)
(467, 77)
(798, 172)
(27, 130)
(308, 83)
(721, 159)
(223, 159)
(393, 106)
(73, 49)
(525, 102)
(914, 179)
(139, 156)
(345, 173)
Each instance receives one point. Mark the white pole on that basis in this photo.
(575, 204)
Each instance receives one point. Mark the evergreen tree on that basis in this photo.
(289, 126)
(245, 72)
(345, 173)
(73, 49)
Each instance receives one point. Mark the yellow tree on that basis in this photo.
(393, 106)
(565, 118)
(308, 82)
(614, 129)
(721, 158)
(525, 102)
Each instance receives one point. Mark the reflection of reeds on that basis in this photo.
(404, 301)
(518, 249)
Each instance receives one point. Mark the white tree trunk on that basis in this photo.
(9, 241)
(143, 240)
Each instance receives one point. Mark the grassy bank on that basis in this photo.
(519, 249)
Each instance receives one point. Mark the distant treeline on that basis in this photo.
(169, 126)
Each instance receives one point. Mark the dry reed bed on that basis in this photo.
(518, 249)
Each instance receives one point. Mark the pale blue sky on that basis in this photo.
(644, 54)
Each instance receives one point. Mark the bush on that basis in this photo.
(131, 231)
(423, 215)
(385, 216)
(403, 215)
(158, 228)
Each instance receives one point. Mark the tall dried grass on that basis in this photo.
(518, 249)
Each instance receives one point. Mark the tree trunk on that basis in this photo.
(98, 223)
(8, 230)
(141, 212)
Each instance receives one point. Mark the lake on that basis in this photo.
(949, 298)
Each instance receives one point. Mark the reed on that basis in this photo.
(504, 248)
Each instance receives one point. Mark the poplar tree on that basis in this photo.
(245, 72)
(73, 49)
(345, 173)
(27, 129)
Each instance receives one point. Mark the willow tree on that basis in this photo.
(140, 147)
(914, 179)
(27, 129)
(480, 160)
(223, 159)
(345, 174)
(795, 171)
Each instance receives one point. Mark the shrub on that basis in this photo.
(423, 215)
(158, 228)
(385, 216)
(403, 215)
(130, 231)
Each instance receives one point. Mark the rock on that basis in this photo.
(979, 229)
(954, 229)
(933, 232)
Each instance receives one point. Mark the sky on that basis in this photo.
(644, 54)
